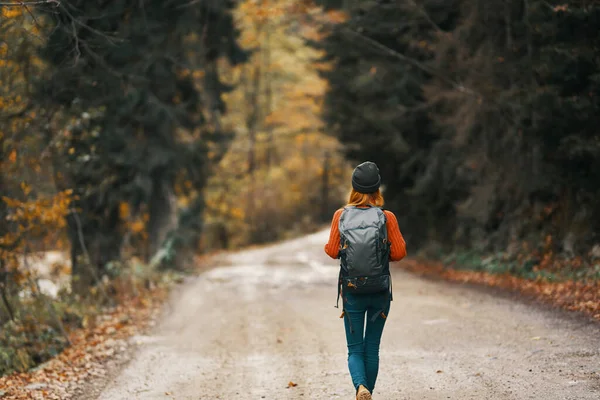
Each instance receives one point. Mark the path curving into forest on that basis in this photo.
(265, 318)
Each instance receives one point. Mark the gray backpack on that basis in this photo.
(364, 251)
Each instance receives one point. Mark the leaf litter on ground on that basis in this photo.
(580, 296)
(63, 377)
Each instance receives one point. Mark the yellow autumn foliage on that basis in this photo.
(11, 12)
(283, 194)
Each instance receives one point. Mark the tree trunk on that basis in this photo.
(212, 98)
(325, 188)
(3, 292)
(93, 245)
(252, 117)
(508, 29)
(160, 210)
(529, 39)
(268, 98)
(3, 231)
(252, 90)
(110, 240)
(81, 277)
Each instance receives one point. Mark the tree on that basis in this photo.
(123, 78)
(478, 113)
(563, 54)
(270, 182)
(20, 166)
(376, 102)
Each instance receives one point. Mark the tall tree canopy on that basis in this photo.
(137, 84)
(481, 115)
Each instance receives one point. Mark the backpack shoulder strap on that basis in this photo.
(383, 219)
(383, 210)
(342, 239)
(341, 221)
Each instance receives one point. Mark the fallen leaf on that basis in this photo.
(90, 348)
(571, 295)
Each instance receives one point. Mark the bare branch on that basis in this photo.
(191, 3)
(31, 14)
(77, 49)
(111, 40)
(416, 63)
(25, 4)
(425, 15)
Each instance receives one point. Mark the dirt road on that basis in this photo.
(266, 317)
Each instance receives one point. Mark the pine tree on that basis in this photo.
(376, 104)
(125, 73)
(566, 112)
(480, 113)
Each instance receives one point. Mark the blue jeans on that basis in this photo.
(363, 342)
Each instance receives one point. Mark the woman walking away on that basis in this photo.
(365, 239)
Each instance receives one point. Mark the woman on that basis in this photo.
(364, 210)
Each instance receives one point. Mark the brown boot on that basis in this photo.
(363, 393)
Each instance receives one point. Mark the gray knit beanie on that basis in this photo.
(365, 178)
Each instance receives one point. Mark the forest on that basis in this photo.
(138, 136)
(482, 117)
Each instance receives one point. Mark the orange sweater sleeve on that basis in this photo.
(332, 248)
(398, 245)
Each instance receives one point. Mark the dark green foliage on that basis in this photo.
(566, 106)
(122, 72)
(482, 116)
(377, 106)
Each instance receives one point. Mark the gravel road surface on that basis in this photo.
(264, 318)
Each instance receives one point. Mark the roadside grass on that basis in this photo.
(42, 326)
(559, 270)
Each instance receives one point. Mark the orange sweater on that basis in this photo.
(398, 246)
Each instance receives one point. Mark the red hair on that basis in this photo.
(358, 199)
